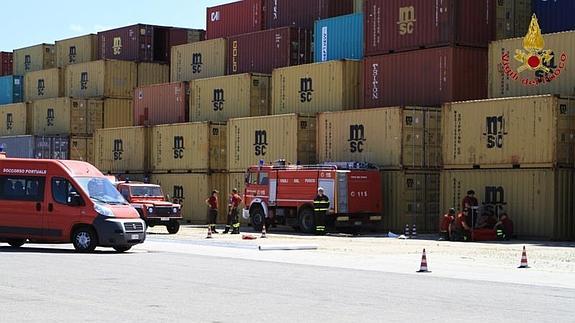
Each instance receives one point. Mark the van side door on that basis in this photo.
(62, 213)
(24, 206)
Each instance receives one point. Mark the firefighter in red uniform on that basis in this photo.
(468, 206)
(233, 215)
(212, 203)
(445, 225)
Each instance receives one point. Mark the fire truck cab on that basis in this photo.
(284, 194)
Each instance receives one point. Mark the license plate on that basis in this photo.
(357, 223)
(135, 237)
(164, 219)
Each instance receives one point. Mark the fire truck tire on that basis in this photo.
(258, 217)
(16, 243)
(173, 227)
(306, 220)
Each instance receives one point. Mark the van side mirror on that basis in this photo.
(75, 200)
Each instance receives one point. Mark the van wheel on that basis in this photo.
(16, 243)
(307, 220)
(122, 248)
(84, 239)
(258, 217)
(173, 227)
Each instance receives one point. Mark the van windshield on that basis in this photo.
(101, 190)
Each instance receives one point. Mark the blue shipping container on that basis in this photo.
(11, 89)
(339, 38)
(555, 15)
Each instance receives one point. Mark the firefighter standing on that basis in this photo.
(212, 203)
(233, 214)
(321, 206)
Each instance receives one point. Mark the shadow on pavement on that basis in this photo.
(24, 249)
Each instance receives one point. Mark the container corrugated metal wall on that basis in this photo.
(339, 38)
(512, 18)
(44, 147)
(524, 131)
(76, 50)
(118, 113)
(388, 137)
(198, 60)
(303, 13)
(505, 80)
(539, 201)
(6, 62)
(411, 197)
(13, 119)
(153, 73)
(428, 77)
(555, 15)
(116, 79)
(313, 88)
(64, 116)
(82, 148)
(44, 84)
(34, 58)
(221, 98)
(137, 43)
(18, 146)
(188, 147)
(11, 89)
(290, 137)
(234, 18)
(122, 150)
(161, 104)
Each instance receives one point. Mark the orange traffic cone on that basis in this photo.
(524, 259)
(423, 267)
(263, 232)
(209, 232)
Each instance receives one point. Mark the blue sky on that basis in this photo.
(26, 23)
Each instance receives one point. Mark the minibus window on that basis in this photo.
(19, 188)
(61, 190)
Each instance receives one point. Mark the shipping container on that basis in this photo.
(303, 13)
(42, 147)
(18, 146)
(426, 77)
(64, 116)
(122, 150)
(82, 148)
(394, 25)
(191, 192)
(181, 36)
(34, 58)
(510, 72)
(221, 98)
(290, 137)
(358, 6)
(137, 43)
(555, 15)
(537, 131)
(115, 79)
(188, 147)
(339, 38)
(264, 51)
(13, 119)
(539, 201)
(11, 89)
(44, 84)
(313, 88)
(76, 50)
(198, 60)
(412, 198)
(230, 19)
(391, 138)
(161, 104)
(118, 113)
(153, 73)
(512, 18)
(6, 62)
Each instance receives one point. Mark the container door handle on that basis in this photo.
(38, 207)
(50, 207)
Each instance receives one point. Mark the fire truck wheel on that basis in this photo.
(258, 217)
(173, 227)
(16, 243)
(306, 220)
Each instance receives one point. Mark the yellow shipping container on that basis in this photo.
(103, 78)
(221, 98)
(34, 58)
(411, 197)
(13, 119)
(539, 201)
(290, 137)
(118, 113)
(76, 50)
(536, 131)
(122, 150)
(82, 148)
(313, 88)
(153, 73)
(44, 84)
(66, 116)
(198, 60)
(198, 147)
(510, 75)
(399, 137)
(191, 191)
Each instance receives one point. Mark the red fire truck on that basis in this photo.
(283, 194)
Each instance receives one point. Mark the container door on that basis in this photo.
(342, 189)
(23, 197)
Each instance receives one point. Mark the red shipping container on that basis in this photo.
(427, 77)
(161, 104)
(6, 61)
(234, 18)
(303, 13)
(399, 25)
(138, 43)
(264, 51)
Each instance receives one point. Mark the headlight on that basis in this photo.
(102, 210)
(150, 210)
(175, 210)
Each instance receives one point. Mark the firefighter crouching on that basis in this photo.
(233, 214)
(321, 206)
